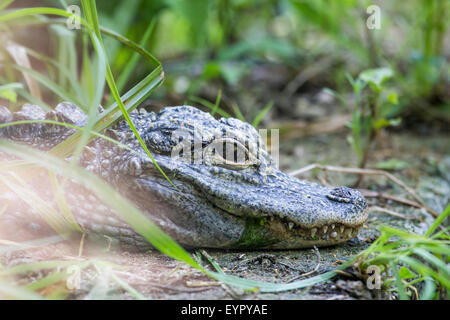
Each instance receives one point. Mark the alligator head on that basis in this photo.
(229, 191)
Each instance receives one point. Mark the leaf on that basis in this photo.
(232, 73)
(444, 215)
(405, 273)
(9, 95)
(376, 77)
(383, 123)
(211, 70)
(392, 164)
(393, 98)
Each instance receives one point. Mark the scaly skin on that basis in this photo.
(241, 202)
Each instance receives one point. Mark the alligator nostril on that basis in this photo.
(347, 195)
(341, 194)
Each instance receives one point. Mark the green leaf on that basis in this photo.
(392, 164)
(383, 123)
(393, 98)
(376, 77)
(438, 221)
(9, 95)
(4, 4)
(405, 273)
(237, 112)
(7, 91)
(398, 282)
(212, 70)
(429, 289)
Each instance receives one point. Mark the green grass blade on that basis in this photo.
(54, 87)
(130, 66)
(237, 112)
(261, 114)
(399, 283)
(444, 215)
(210, 106)
(8, 291)
(217, 103)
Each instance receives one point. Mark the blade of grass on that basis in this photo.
(237, 112)
(210, 106)
(130, 66)
(8, 291)
(444, 215)
(90, 11)
(399, 283)
(91, 14)
(261, 114)
(40, 265)
(55, 88)
(46, 211)
(5, 3)
(216, 104)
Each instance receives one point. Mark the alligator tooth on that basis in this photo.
(333, 234)
(342, 229)
(89, 153)
(313, 231)
(105, 164)
(107, 153)
(291, 225)
(348, 232)
(135, 166)
(271, 218)
(332, 226)
(325, 237)
(325, 228)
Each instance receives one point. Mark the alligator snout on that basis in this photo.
(347, 195)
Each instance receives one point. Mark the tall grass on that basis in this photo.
(413, 266)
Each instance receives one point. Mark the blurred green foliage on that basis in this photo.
(220, 42)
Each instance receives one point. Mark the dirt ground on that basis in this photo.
(156, 276)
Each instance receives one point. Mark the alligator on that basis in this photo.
(216, 198)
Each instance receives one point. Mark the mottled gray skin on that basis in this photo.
(233, 203)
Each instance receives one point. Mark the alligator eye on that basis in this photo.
(227, 152)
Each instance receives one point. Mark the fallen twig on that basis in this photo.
(316, 251)
(298, 129)
(376, 194)
(203, 283)
(392, 213)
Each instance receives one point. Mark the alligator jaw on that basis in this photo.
(276, 233)
(296, 236)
